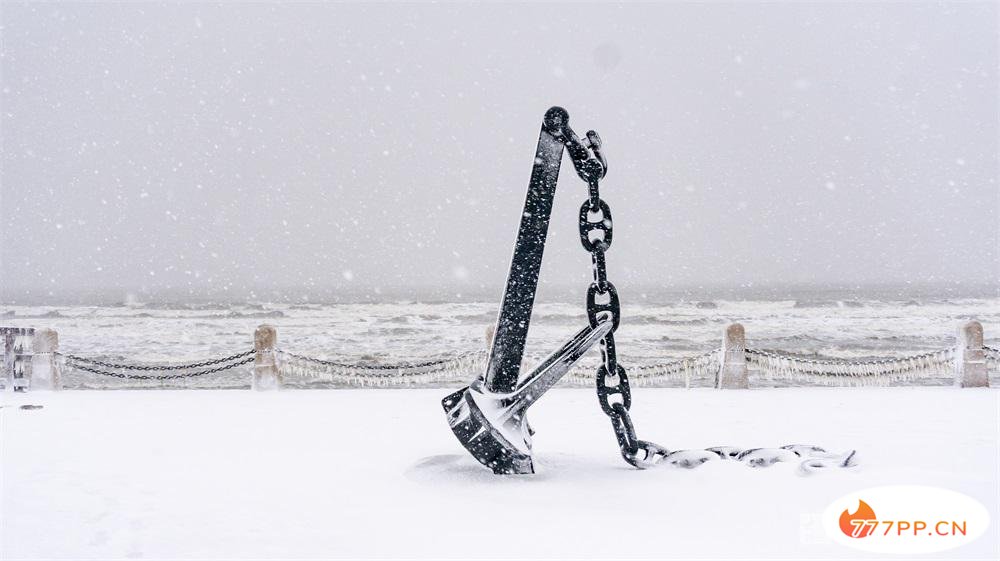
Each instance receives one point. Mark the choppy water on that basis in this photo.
(412, 331)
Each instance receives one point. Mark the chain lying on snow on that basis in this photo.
(882, 371)
(810, 458)
(72, 362)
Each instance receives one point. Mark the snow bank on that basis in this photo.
(377, 473)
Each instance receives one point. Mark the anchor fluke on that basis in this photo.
(493, 426)
(483, 440)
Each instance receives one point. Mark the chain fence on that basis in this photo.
(767, 368)
(698, 370)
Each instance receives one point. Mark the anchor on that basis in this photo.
(489, 415)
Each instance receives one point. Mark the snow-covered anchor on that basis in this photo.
(488, 416)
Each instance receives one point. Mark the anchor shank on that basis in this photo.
(504, 364)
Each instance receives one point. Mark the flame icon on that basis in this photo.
(856, 530)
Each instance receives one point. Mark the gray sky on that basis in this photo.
(288, 149)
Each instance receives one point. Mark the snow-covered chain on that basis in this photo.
(769, 365)
(457, 369)
(992, 358)
(774, 365)
(361, 374)
(152, 367)
(26, 348)
(810, 458)
(243, 358)
(685, 369)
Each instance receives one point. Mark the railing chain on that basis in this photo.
(383, 366)
(686, 366)
(837, 361)
(71, 362)
(155, 368)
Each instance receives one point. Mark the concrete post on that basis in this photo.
(266, 374)
(733, 365)
(970, 358)
(21, 376)
(45, 374)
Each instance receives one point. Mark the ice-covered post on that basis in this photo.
(45, 374)
(490, 332)
(8, 357)
(733, 366)
(21, 375)
(970, 358)
(266, 375)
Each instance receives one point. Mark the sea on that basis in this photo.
(655, 327)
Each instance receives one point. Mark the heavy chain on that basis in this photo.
(613, 391)
(596, 229)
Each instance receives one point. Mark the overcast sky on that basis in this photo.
(283, 149)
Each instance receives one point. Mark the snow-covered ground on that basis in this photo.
(377, 473)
